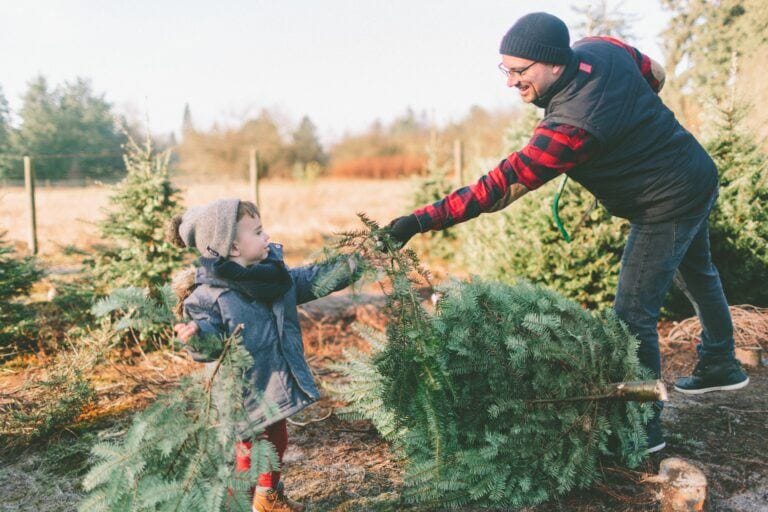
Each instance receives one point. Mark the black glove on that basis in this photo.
(402, 229)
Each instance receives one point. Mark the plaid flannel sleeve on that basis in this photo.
(643, 61)
(554, 149)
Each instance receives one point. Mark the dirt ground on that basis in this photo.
(338, 466)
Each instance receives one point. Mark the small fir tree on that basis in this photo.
(501, 397)
(522, 241)
(17, 275)
(434, 186)
(739, 223)
(135, 225)
(140, 315)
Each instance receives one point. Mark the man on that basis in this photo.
(605, 126)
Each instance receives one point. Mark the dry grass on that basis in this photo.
(750, 328)
(296, 214)
(390, 166)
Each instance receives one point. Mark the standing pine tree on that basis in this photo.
(17, 275)
(142, 206)
(504, 396)
(699, 42)
(739, 226)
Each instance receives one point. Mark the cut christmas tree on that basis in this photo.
(504, 395)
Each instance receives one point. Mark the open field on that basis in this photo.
(295, 213)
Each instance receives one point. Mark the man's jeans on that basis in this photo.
(657, 254)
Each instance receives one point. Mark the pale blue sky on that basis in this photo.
(343, 63)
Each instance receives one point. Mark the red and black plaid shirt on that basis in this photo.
(553, 150)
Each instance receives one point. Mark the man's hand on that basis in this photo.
(185, 332)
(402, 229)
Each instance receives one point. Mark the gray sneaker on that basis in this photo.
(713, 375)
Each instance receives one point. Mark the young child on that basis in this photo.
(242, 279)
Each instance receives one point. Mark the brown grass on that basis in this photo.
(296, 214)
(391, 166)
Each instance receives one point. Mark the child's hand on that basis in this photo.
(185, 332)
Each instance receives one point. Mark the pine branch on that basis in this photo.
(177, 453)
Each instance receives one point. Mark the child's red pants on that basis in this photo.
(277, 434)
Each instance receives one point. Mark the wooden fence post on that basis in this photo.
(29, 184)
(458, 163)
(254, 173)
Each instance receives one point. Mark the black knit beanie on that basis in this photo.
(540, 37)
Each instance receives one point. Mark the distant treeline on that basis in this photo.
(399, 148)
(69, 130)
(74, 135)
(714, 52)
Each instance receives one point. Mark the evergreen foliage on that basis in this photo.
(306, 147)
(700, 40)
(523, 241)
(17, 275)
(177, 455)
(739, 223)
(136, 311)
(144, 202)
(69, 119)
(7, 160)
(497, 397)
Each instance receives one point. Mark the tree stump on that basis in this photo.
(683, 486)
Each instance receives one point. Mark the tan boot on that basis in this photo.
(273, 501)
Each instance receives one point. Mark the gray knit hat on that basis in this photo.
(210, 228)
(538, 36)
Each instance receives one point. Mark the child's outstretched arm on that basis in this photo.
(318, 280)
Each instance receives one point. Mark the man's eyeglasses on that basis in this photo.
(515, 72)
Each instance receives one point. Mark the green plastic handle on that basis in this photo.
(555, 212)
